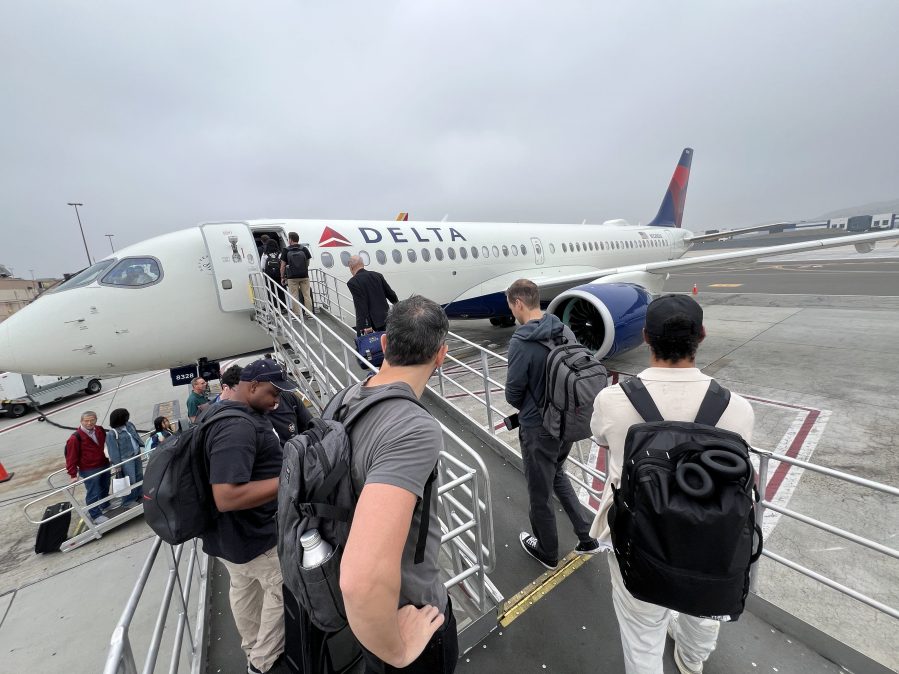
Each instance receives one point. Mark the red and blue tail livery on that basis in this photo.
(671, 212)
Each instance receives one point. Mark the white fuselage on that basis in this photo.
(192, 310)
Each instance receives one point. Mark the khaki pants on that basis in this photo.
(298, 285)
(644, 625)
(257, 604)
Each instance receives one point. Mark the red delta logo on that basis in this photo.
(333, 239)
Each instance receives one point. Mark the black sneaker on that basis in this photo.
(591, 547)
(529, 544)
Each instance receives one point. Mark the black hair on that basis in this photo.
(673, 349)
(119, 417)
(231, 376)
(158, 424)
(293, 237)
(416, 329)
(271, 246)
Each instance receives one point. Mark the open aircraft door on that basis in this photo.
(232, 255)
(538, 250)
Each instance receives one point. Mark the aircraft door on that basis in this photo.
(232, 255)
(538, 250)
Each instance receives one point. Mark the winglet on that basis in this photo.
(671, 212)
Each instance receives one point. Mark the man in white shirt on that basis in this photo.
(673, 332)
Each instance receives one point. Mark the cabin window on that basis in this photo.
(451, 253)
(463, 252)
(345, 258)
(133, 272)
(485, 251)
(411, 255)
(366, 260)
(552, 248)
(564, 248)
(380, 255)
(578, 246)
(538, 249)
(397, 256)
(438, 253)
(328, 260)
(496, 251)
(505, 251)
(524, 251)
(515, 251)
(474, 252)
(425, 255)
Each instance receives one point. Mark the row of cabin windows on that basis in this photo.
(426, 253)
(485, 251)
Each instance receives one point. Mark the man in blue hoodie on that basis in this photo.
(542, 454)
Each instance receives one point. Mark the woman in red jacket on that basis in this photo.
(86, 459)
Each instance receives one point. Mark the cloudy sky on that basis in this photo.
(161, 115)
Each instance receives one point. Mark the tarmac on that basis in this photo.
(806, 359)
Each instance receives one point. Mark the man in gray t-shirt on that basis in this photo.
(399, 610)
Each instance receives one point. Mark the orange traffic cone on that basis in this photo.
(695, 289)
(4, 476)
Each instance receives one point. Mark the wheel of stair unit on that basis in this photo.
(93, 386)
(18, 410)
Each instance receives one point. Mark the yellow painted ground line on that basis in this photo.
(539, 588)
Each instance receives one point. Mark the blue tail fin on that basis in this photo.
(671, 212)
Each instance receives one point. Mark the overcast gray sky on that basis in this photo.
(161, 115)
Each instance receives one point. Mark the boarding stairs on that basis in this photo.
(571, 630)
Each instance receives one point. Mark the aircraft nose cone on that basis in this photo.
(7, 356)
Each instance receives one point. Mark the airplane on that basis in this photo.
(175, 299)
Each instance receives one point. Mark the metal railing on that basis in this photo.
(481, 373)
(92, 531)
(323, 363)
(179, 585)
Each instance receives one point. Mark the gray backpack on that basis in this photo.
(574, 377)
(316, 492)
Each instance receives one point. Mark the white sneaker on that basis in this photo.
(100, 519)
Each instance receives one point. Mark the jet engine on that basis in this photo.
(605, 317)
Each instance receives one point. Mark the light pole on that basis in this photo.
(75, 205)
(109, 236)
(32, 275)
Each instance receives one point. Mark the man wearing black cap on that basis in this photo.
(673, 332)
(244, 467)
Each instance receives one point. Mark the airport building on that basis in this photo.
(16, 293)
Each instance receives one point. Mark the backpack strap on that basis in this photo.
(425, 517)
(716, 400)
(636, 392)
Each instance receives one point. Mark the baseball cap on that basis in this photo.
(662, 309)
(266, 369)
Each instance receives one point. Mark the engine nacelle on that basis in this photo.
(605, 317)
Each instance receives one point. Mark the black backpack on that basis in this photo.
(316, 492)
(574, 377)
(683, 519)
(273, 265)
(297, 262)
(178, 503)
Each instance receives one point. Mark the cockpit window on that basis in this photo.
(85, 276)
(133, 272)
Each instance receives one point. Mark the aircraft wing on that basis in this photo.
(864, 243)
(730, 233)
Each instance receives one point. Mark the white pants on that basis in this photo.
(258, 608)
(643, 628)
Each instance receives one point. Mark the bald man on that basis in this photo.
(370, 294)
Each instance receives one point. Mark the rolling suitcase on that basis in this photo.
(50, 535)
(309, 650)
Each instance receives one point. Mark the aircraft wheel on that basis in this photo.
(93, 386)
(18, 410)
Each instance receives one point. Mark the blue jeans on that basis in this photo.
(97, 484)
(135, 472)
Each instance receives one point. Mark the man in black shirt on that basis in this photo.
(244, 468)
(295, 270)
(370, 294)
